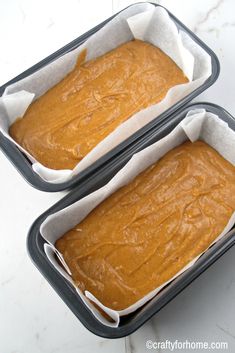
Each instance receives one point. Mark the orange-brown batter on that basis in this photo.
(144, 233)
(70, 119)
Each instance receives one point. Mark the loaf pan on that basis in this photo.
(23, 165)
(66, 291)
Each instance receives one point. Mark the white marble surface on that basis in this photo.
(32, 317)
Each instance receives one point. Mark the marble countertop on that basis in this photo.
(33, 319)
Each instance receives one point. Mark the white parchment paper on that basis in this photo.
(141, 21)
(198, 124)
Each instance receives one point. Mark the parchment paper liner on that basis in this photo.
(198, 124)
(142, 21)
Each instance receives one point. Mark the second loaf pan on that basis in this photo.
(23, 165)
(132, 322)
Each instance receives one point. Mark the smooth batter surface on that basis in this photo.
(69, 120)
(147, 231)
